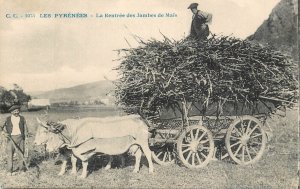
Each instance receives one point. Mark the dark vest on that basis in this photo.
(8, 125)
(199, 28)
(198, 19)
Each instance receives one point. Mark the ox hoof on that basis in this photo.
(135, 171)
(107, 168)
(83, 176)
(151, 171)
(73, 172)
(61, 173)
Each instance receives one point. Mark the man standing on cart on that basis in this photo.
(199, 26)
(15, 130)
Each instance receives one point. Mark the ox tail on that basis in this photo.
(88, 152)
(133, 149)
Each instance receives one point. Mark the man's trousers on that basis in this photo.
(19, 142)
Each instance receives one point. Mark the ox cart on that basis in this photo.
(239, 132)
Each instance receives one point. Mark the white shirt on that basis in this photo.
(15, 122)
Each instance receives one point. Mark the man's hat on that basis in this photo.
(14, 107)
(193, 6)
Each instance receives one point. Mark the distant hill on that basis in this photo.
(280, 29)
(95, 90)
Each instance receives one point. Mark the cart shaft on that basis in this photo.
(155, 140)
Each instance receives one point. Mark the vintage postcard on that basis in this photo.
(149, 94)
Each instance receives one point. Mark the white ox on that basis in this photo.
(88, 136)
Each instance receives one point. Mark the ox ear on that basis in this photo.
(41, 123)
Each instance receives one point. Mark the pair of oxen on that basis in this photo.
(89, 136)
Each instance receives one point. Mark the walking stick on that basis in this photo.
(26, 151)
(19, 150)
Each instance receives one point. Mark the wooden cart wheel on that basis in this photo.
(245, 140)
(195, 147)
(164, 153)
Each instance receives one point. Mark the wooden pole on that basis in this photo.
(185, 110)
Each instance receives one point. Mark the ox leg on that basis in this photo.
(138, 156)
(74, 168)
(147, 153)
(145, 147)
(84, 169)
(63, 167)
(122, 160)
(108, 166)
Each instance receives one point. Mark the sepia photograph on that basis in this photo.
(149, 94)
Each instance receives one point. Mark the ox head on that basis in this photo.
(47, 133)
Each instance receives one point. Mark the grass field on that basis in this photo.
(277, 168)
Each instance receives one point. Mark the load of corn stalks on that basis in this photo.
(167, 73)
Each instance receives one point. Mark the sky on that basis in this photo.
(41, 54)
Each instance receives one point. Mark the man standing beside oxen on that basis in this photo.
(16, 131)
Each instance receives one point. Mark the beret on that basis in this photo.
(14, 107)
(193, 6)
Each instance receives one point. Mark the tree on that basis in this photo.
(98, 102)
(17, 87)
(11, 97)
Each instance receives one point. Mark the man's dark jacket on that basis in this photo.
(8, 126)
(199, 28)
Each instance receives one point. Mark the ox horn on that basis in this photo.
(41, 123)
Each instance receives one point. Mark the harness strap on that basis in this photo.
(64, 137)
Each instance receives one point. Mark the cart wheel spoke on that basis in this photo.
(239, 142)
(198, 158)
(187, 139)
(159, 154)
(204, 141)
(189, 155)
(258, 143)
(197, 133)
(169, 155)
(203, 155)
(258, 135)
(237, 138)
(192, 135)
(253, 150)
(249, 155)
(237, 151)
(186, 150)
(185, 145)
(165, 155)
(240, 127)
(243, 153)
(251, 131)
(203, 134)
(243, 127)
(193, 159)
(238, 132)
(249, 124)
